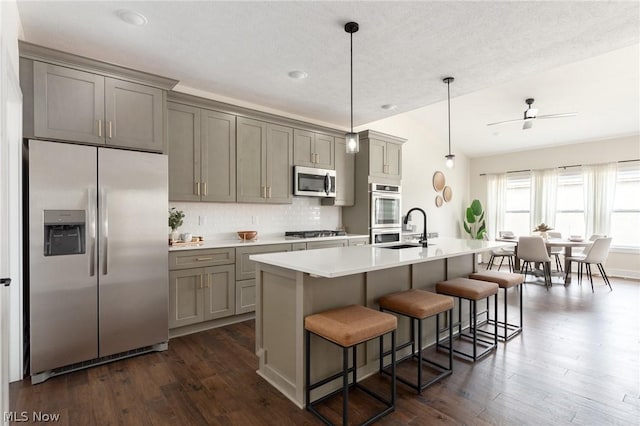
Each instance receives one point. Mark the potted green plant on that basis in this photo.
(474, 223)
(175, 221)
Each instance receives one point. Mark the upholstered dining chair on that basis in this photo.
(533, 249)
(556, 251)
(596, 254)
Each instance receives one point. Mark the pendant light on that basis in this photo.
(450, 158)
(351, 138)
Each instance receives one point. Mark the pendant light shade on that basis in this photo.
(352, 140)
(450, 159)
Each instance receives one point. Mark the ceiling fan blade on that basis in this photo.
(503, 122)
(527, 124)
(566, 114)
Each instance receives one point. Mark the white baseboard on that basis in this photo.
(623, 273)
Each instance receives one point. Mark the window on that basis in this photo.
(625, 218)
(518, 204)
(570, 203)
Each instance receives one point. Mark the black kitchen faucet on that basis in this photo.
(423, 239)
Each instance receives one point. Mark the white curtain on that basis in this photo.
(496, 203)
(544, 190)
(599, 192)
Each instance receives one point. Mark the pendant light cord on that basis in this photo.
(449, 114)
(351, 55)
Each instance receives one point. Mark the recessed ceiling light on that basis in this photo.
(298, 75)
(132, 17)
(389, 107)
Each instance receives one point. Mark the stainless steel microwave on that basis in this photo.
(314, 182)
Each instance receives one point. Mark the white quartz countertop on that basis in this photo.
(259, 242)
(341, 261)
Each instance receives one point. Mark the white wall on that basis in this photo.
(11, 139)
(423, 155)
(620, 263)
(216, 221)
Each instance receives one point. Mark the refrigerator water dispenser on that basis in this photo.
(64, 232)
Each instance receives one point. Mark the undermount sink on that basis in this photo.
(403, 246)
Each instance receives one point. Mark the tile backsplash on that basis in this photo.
(219, 221)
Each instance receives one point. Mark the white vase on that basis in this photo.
(175, 236)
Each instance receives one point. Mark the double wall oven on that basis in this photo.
(386, 213)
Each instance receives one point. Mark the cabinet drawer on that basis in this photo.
(201, 258)
(298, 246)
(359, 241)
(245, 267)
(326, 244)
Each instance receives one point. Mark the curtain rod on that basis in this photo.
(560, 167)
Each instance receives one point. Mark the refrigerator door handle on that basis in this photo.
(104, 219)
(91, 213)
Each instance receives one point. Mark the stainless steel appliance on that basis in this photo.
(385, 206)
(385, 235)
(314, 182)
(98, 284)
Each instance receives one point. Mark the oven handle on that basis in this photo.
(327, 184)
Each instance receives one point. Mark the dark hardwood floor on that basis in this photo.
(577, 362)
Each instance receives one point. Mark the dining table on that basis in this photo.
(568, 245)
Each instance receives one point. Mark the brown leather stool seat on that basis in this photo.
(471, 290)
(347, 327)
(418, 305)
(506, 281)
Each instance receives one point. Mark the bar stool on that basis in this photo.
(471, 290)
(418, 305)
(347, 327)
(506, 281)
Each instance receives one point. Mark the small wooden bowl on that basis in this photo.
(247, 235)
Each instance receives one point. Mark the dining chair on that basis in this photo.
(502, 253)
(596, 254)
(533, 249)
(556, 251)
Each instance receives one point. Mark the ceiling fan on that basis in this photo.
(530, 114)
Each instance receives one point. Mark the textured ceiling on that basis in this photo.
(244, 50)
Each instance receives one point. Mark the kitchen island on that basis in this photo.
(292, 285)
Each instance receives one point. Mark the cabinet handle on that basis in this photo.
(197, 188)
(208, 281)
(263, 191)
(110, 129)
(268, 192)
(202, 259)
(100, 128)
(204, 188)
(201, 285)
(313, 157)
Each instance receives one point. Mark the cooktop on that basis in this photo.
(314, 234)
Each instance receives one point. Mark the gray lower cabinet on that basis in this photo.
(202, 154)
(246, 274)
(358, 241)
(313, 149)
(326, 244)
(73, 105)
(201, 285)
(201, 294)
(264, 162)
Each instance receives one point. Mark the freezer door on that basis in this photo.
(63, 293)
(133, 261)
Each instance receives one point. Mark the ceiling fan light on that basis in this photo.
(352, 142)
(531, 113)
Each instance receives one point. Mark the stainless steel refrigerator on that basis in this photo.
(98, 283)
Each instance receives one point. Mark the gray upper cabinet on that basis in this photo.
(202, 154)
(264, 160)
(133, 115)
(313, 149)
(385, 159)
(74, 105)
(69, 104)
